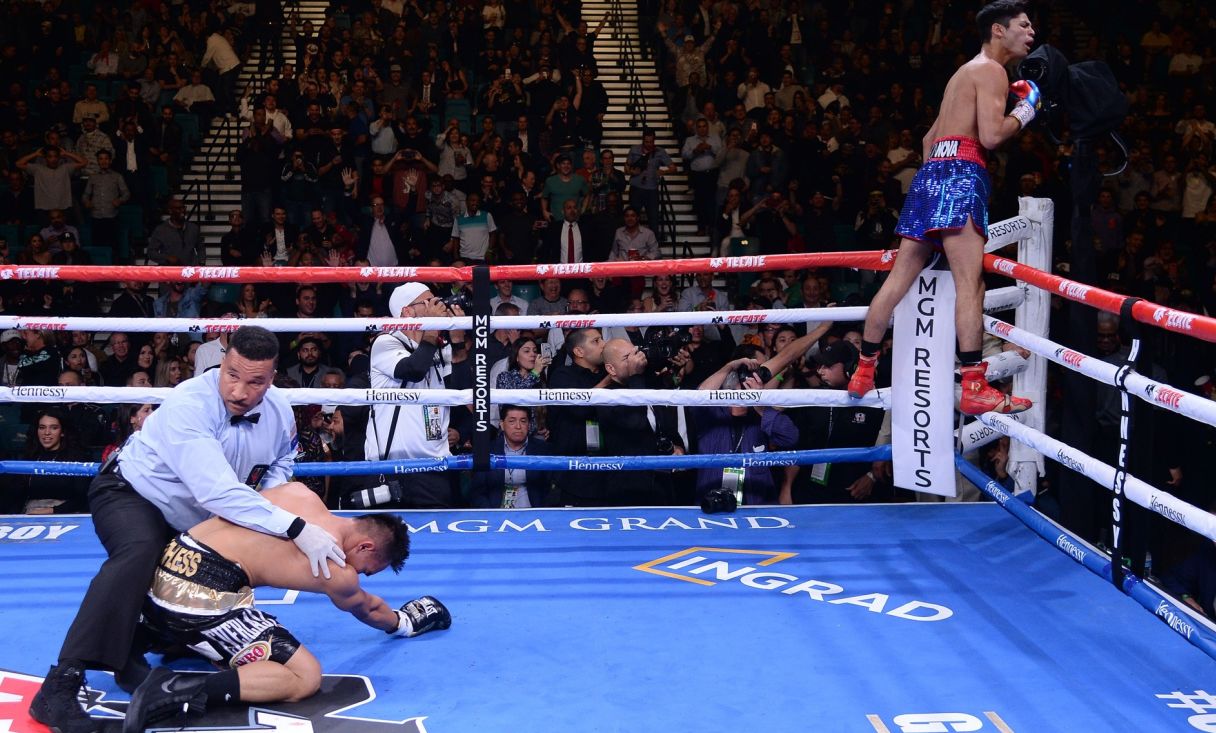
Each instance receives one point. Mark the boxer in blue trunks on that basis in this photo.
(947, 204)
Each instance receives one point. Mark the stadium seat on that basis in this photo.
(101, 255)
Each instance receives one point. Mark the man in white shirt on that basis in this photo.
(219, 53)
(505, 295)
(413, 359)
(752, 90)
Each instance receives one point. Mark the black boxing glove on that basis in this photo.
(420, 616)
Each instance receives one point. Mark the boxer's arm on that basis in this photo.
(344, 591)
(991, 90)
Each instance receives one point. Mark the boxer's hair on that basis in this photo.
(392, 536)
(255, 343)
(1001, 11)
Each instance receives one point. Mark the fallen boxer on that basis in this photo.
(202, 597)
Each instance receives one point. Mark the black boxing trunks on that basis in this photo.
(203, 601)
(949, 188)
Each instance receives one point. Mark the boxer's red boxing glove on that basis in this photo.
(1030, 101)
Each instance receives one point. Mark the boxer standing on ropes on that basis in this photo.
(947, 204)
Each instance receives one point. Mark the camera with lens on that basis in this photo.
(662, 345)
(375, 496)
(663, 446)
(719, 501)
(461, 299)
(743, 374)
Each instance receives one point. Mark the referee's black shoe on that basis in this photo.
(165, 695)
(57, 703)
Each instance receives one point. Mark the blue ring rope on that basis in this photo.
(1158, 604)
(539, 463)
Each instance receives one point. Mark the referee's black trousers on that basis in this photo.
(134, 533)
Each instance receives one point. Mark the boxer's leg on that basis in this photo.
(913, 256)
(965, 251)
(268, 681)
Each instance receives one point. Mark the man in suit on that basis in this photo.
(381, 239)
(513, 488)
(563, 242)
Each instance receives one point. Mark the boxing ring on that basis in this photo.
(910, 617)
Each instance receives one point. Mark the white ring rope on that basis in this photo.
(1000, 299)
(455, 398)
(1154, 393)
(1144, 494)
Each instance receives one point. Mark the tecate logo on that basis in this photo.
(39, 326)
(30, 273)
(748, 261)
(393, 273)
(1002, 329)
(576, 268)
(1071, 358)
(1168, 397)
(1005, 266)
(1075, 291)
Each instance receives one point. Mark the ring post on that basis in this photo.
(483, 290)
(1033, 315)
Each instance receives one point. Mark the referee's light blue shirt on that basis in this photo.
(192, 462)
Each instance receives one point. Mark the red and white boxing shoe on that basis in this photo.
(980, 397)
(862, 381)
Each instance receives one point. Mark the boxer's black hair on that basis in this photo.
(254, 343)
(395, 537)
(1001, 11)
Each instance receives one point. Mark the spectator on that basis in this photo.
(175, 241)
(564, 186)
(550, 302)
(49, 440)
(52, 178)
(574, 428)
(40, 364)
(633, 241)
(513, 488)
(180, 299)
(130, 420)
(526, 368)
(702, 153)
(220, 55)
(834, 427)
(57, 230)
(646, 165)
(564, 239)
(121, 363)
(663, 296)
(702, 295)
(170, 371)
(309, 369)
(103, 195)
(506, 294)
(473, 233)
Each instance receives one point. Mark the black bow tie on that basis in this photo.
(238, 419)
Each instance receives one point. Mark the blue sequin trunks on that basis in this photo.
(952, 185)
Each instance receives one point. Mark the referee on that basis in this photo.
(214, 443)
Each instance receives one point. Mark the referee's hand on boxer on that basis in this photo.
(319, 547)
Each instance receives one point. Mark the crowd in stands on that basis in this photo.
(422, 132)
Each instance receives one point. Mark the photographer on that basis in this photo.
(641, 429)
(835, 427)
(413, 359)
(747, 430)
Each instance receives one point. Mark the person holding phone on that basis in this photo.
(527, 368)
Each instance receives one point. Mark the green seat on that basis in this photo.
(131, 220)
(11, 233)
(101, 255)
(160, 181)
(526, 291)
(28, 231)
(845, 236)
(224, 292)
